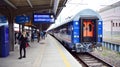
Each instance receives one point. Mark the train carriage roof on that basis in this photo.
(82, 14)
(87, 13)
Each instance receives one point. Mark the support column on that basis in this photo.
(23, 27)
(11, 32)
(20, 28)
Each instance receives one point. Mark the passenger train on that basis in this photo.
(80, 32)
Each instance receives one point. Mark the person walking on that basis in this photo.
(41, 34)
(23, 40)
(44, 33)
(28, 38)
(38, 36)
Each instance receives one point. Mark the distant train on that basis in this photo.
(80, 32)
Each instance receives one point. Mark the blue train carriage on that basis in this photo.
(81, 32)
(87, 30)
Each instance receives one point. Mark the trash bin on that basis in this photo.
(4, 41)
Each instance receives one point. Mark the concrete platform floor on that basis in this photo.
(46, 53)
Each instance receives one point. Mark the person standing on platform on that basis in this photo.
(38, 36)
(23, 40)
(32, 37)
(44, 34)
(41, 34)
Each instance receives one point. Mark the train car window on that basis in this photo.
(119, 24)
(90, 27)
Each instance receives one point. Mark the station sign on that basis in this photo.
(43, 18)
(22, 19)
(3, 19)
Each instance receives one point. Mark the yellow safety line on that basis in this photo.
(35, 64)
(63, 57)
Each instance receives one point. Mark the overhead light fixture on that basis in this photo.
(12, 5)
(29, 3)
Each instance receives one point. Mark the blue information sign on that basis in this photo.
(22, 19)
(43, 18)
(3, 19)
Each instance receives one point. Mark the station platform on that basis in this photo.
(114, 40)
(46, 53)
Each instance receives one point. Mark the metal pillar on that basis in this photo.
(22, 27)
(118, 48)
(11, 33)
(105, 44)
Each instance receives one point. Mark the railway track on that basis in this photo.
(89, 60)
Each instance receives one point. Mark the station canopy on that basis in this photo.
(28, 7)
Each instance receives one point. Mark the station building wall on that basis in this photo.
(111, 20)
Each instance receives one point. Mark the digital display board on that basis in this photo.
(3, 19)
(43, 18)
(22, 19)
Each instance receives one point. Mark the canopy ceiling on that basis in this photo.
(28, 7)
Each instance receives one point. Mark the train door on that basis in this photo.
(88, 30)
